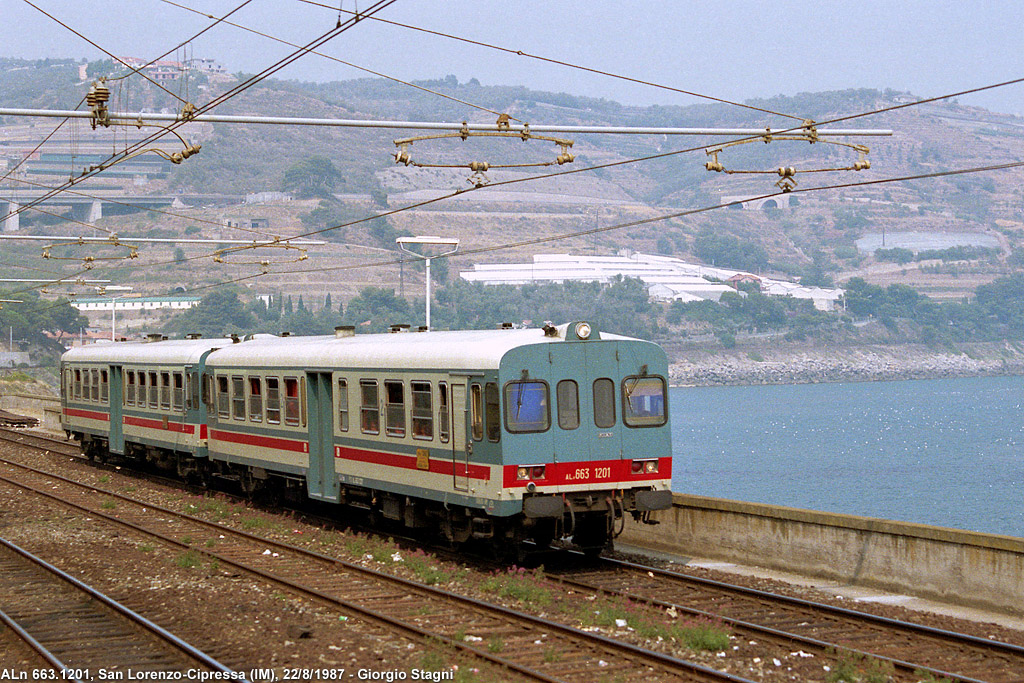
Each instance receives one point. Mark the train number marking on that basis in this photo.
(603, 473)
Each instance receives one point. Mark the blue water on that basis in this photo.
(944, 452)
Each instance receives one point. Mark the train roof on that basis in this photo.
(472, 349)
(174, 351)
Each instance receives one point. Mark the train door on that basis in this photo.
(602, 377)
(321, 479)
(116, 398)
(461, 447)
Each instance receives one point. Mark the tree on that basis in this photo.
(314, 176)
(220, 312)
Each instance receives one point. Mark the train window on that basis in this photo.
(568, 394)
(604, 403)
(154, 390)
(192, 390)
(140, 399)
(643, 401)
(492, 412)
(369, 409)
(442, 412)
(78, 383)
(129, 391)
(526, 407)
(394, 392)
(238, 398)
(273, 400)
(104, 386)
(165, 390)
(255, 399)
(177, 391)
(86, 385)
(476, 411)
(223, 397)
(342, 405)
(96, 385)
(291, 401)
(422, 410)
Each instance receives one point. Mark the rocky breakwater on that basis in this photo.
(690, 367)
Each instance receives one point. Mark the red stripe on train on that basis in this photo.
(443, 465)
(261, 441)
(87, 414)
(615, 472)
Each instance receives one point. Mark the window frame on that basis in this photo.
(292, 402)
(610, 403)
(273, 407)
(223, 387)
(342, 413)
(165, 390)
(238, 407)
(394, 411)
(368, 410)
(422, 415)
(508, 402)
(664, 402)
(255, 398)
(154, 390)
(443, 412)
(567, 425)
(129, 387)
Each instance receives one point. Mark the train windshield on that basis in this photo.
(526, 407)
(643, 401)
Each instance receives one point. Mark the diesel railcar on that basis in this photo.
(544, 435)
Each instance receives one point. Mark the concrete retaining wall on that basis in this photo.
(45, 408)
(949, 565)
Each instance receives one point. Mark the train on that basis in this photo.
(515, 437)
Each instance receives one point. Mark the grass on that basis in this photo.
(251, 523)
(858, 668)
(105, 479)
(696, 634)
(108, 504)
(188, 560)
(147, 547)
(521, 585)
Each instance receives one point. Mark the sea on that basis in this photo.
(945, 452)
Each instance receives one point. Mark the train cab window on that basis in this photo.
(95, 385)
(422, 410)
(104, 386)
(369, 408)
(476, 411)
(273, 401)
(129, 388)
(342, 405)
(394, 392)
(238, 398)
(255, 399)
(78, 383)
(443, 430)
(568, 395)
(154, 390)
(604, 403)
(291, 401)
(643, 401)
(223, 397)
(165, 390)
(177, 391)
(492, 413)
(526, 407)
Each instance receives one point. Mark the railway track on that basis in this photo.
(532, 647)
(911, 649)
(78, 631)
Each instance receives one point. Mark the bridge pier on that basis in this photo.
(11, 223)
(88, 213)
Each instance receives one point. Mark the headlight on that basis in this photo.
(644, 466)
(528, 472)
(523, 473)
(583, 330)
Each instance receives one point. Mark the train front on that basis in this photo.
(587, 436)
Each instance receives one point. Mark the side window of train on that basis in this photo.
(394, 393)
(604, 403)
(86, 384)
(129, 388)
(78, 383)
(256, 399)
(95, 384)
(369, 407)
(476, 411)
(140, 400)
(237, 397)
(422, 410)
(492, 412)
(192, 390)
(273, 401)
(568, 394)
(165, 390)
(154, 389)
(178, 392)
(104, 386)
(527, 407)
(443, 429)
(342, 404)
(223, 397)
(643, 401)
(291, 401)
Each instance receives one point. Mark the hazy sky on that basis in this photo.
(731, 48)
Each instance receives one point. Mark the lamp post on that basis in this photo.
(451, 243)
(113, 307)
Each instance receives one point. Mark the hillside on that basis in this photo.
(816, 238)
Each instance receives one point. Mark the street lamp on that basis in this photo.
(113, 306)
(451, 243)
